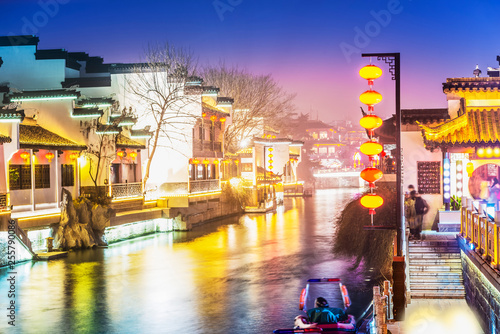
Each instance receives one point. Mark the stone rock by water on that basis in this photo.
(81, 225)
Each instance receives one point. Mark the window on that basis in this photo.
(323, 150)
(200, 173)
(68, 175)
(19, 177)
(323, 135)
(42, 176)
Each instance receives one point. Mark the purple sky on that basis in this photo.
(300, 42)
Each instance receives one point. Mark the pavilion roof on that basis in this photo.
(125, 142)
(465, 84)
(4, 139)
(36, 137)
(473, 128)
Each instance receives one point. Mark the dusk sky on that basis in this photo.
(312, 48)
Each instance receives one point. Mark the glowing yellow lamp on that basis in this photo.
(120, 154)
(496, 152)
(371, 201)
(370, 97)
(196, 161)
(489, 152)
(222, 120)
(213, 118)
(206, 161)
(371, 148)
(133, 155)
(370, 122)
(480, 152)
(216, 162)
(73, 156)
(371, 174)
(370, 73)
(469, 168)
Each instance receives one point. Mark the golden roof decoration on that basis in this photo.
(473, 128)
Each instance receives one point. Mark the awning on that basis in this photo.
(125, 142)
(36, 137)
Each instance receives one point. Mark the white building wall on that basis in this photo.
(414, 151)
(35, 74)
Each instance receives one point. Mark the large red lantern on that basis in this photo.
(371, 174)
(49, 156)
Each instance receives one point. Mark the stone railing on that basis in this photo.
(481, 230)
(200, 186)
(123, 190)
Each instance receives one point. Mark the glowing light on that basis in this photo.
(222, 120)
(459, 176)
(446, 165)
(459, 167)
(235, 182)
(270, 149)
(371, 148)
(459, 185)
(270, 155)
(446, 188)
(216, 162)
(469, 168)
(370, 97)
(196, 161)
(25, 155)
(371, 201)
(206, 161)
(447, 196)
(120, 154)
(49, 156)
(18, 99)
(73, 156)
(459, 194)
(496, 152)
(446, 173)
(213, 118)
(371, 174)
(133, 155)
(488, 152)
(480, 152)
(370, 73)
(446, 180)
(370, 122)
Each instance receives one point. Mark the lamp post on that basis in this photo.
(393, 60)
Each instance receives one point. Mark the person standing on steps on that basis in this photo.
(421, 208)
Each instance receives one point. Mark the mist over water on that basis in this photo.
(238, 275)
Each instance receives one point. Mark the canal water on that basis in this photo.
(238, 275)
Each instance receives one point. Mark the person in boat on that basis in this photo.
(323, 314)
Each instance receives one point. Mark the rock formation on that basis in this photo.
(81, 225)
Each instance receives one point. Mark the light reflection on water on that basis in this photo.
(240, 275)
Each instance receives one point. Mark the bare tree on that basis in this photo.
(159, 86)
(258, 101)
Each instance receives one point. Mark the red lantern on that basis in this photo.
(73, 156)
(371, 174)
(371, 148)
(49, 156)
(213, 118)
(370, 73)
(370, 122)
(371, 201)
(120, 154)
(25, 155)
(222, 120)
(216, 162)
(196, 161)
(206, 162)
(133, 155)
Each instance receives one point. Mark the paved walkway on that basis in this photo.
(430, 316)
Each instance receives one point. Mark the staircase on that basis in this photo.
(435, 269)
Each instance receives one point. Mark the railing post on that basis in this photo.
(378, 307)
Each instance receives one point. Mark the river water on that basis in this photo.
(238, 275)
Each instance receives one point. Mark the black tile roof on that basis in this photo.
(31, 94)
(225, 100)
(58, 54)
(96, 101)
(140, 133)
(87, 82)
(410, 116)
(480, 83)
(12, 114)
(89, 112)
(18, 40)
(125, 142)
(4, 139)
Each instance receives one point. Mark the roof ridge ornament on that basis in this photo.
(477, 71)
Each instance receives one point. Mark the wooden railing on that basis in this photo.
(481, 231)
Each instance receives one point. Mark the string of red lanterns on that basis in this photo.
(371, 148)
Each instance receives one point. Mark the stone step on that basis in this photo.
(437, 243)
(436, 295)
(435, 268)
(436, 287)
(428, 249)
(433, 280)
(435, 261)
(445, 275)
(434, 256)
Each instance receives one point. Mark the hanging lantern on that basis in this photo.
(371, 148)
(496, 152)
(268, 136)
(273, 137)
(370, 98)
(133, 155)
(370, 122)
(213, 118)
(480, 152)
(25, 155)
(49, 156)
(371, 174)
(488, 152)
(270, 167)
(216, 162)
(203, 114)
(222, 120)
(206, 162)
(270, 149)
(270, 155)
(271, 161)
(469, 168)
(196, 161)
(120, 154)
(73, 156)
(370, 73)
(371, 201)
(236, 161)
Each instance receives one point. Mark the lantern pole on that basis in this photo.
(393, 60)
